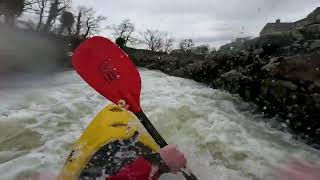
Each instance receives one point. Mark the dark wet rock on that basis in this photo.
(258, 51)
(248, 88)
(316, 99)
(314, 87)
(311, 32)
(296, 45)
(231, 81)
(314, 44)
(277, 90)
(274, 63)
(189, 70)
(232, 75)
(299, 67)
(296, 34)
(200, 71)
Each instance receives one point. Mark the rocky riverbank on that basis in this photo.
(280, 73)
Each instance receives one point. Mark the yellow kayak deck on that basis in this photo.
(114, 138)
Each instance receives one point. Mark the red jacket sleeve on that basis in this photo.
(140, 169)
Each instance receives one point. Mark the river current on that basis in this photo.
(222, 136)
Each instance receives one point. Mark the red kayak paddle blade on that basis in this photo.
(106, 68)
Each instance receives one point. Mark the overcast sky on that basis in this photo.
(213, 22)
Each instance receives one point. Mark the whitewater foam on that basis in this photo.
(220, 135)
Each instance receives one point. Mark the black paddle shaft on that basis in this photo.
(159, 140)
(151, 129)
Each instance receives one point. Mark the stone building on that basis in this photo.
(278, 26)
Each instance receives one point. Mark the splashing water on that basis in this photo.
(220, 135)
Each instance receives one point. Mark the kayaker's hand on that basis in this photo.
(299, 171)
(123, 104)
(174, 158)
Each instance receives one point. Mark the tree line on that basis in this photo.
(57, 16)
(155, 40)
(53, 16)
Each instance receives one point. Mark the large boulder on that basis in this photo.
(314, 44)
(248, 87)
(201, 71)
(300, 67)
(277, 89)
(314, 87)
(232, 75)
(297, 35)
(231, 81)
(274, 62)
(142, 57)
(276, 94)
(311, 32)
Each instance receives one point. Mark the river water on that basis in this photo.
(221, 135)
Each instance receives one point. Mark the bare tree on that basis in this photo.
(168, 43)
(79, 23)
(67, 21)
(88, 23)
(28, 4)
(201, 49)
(11, 9)
(124, 31)
(57, 8)
(186, 45)
(158, 41)
(40, 8)
(49, 9)
(153, 39)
